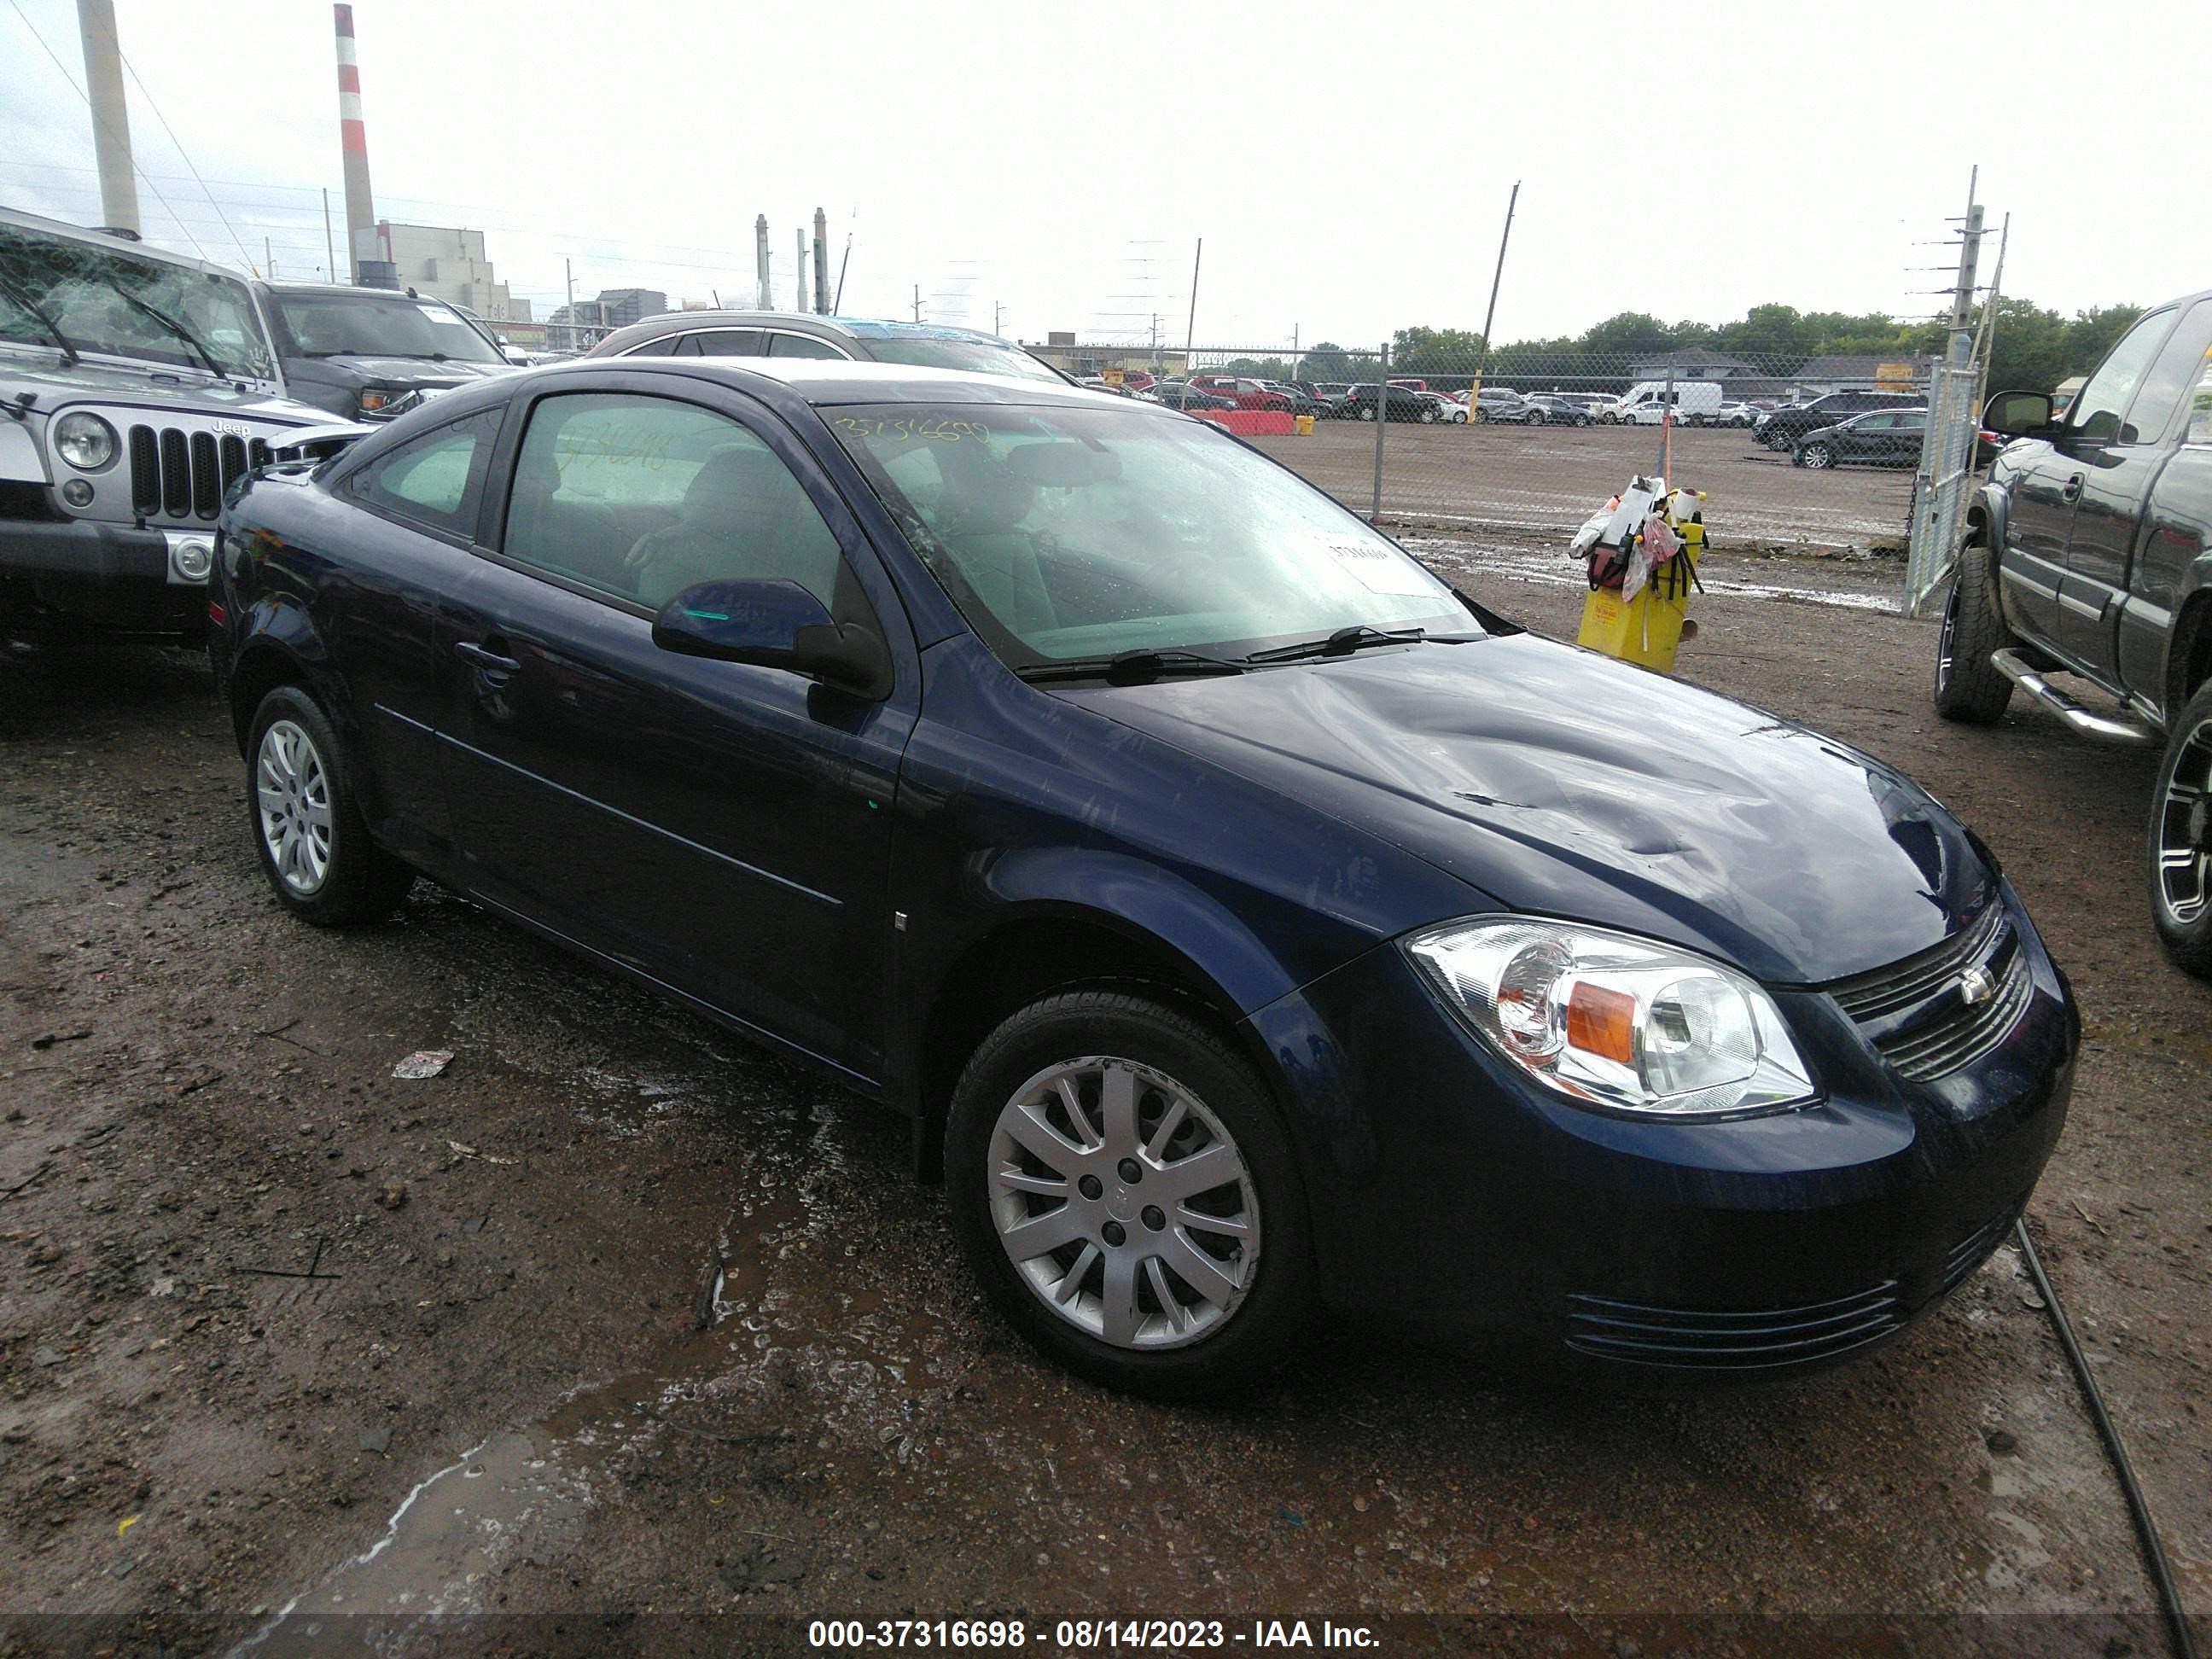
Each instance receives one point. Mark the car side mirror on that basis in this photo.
(2016, 414)
(515, 355)
(774, 624)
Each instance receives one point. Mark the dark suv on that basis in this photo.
(2088, 551)
(1781, 428)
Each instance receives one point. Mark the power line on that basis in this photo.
(16, 7)
(183, 152)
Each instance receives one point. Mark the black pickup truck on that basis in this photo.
(2088, 551)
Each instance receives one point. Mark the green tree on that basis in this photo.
(2095, 332)
(2029, 349)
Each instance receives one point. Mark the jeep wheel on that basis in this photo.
(307, 828)
(1124, 1190)
(2181, 840)
(1969, 688)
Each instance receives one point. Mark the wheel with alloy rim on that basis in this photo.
(1428, 415)
(1124, 1189)
(1367, 411)
(1819, 457)
(307, 828)
(2181, 839)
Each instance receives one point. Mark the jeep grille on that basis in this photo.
(178, 475)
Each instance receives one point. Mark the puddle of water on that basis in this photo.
(1556, 570)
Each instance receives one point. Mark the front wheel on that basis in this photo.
(1536, 418)
(1819, 457)
(1969, 688)
(2181, 850)
(1428, 417)
(1367, 411)
(1122, 1187)
(313, 844)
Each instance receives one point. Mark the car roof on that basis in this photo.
(805, 322)
(821, 382)
(316, 290)
(118, 244)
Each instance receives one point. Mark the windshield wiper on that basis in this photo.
(174, 327)
(1348, 639)
(69, 352)
(1129, 667)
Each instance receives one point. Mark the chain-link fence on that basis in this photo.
(1792, 451)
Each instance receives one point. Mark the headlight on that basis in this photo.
(374, 399)
(1616, 1022)
(85, 441)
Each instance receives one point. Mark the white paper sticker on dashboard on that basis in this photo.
(1383, 570)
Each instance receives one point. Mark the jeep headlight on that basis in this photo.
(84, 440)
(1616, 1022)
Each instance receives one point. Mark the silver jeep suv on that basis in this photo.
(136, 387)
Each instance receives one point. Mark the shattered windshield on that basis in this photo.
(338, 325)
(108, 302)
(1065, 532)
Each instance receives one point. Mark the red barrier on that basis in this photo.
(1251, 423)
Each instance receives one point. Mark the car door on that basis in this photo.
(2127, 451)
(1865, 438)
(1907, 439)
(721, 827)
(2047, 490)
(419, 503)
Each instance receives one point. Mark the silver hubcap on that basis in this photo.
(293, 794)
(2184, 830)
(1816, 457)
(1123, 1203)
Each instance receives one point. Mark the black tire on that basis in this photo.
(2180, 825)
(1969, 689)
(1534, 417)
(1271, 1316)
(1366, 412)
(359, 881)
(1819, 457)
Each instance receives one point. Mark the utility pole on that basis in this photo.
(111, 115)
(569, 267)
(1190, 333)
(1945, 453)
(917, 302)
(996, 308)
(269, 258)
(837, 304)
(799, 268)
(1482, 356)
(762, 296)
(820, 263)
(329, 248)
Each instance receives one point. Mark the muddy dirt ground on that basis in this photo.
(282, 1331)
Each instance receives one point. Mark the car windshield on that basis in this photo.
(336, 324)
(977, 357)
(109, 301)
(1065, 532)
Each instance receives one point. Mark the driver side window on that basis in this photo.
(642, 497)
(2097, 411)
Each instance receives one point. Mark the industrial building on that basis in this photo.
(445, 263)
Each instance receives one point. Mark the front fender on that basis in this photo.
(1991, 506)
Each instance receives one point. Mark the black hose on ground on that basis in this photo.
(2161, 1577)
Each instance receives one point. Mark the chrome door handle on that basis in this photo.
(490, 661)
(2071, 491)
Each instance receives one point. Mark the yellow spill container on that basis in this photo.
(1305, 426)
(1648, 629)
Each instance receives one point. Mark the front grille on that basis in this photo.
(1916, 1012)
(1970, 1251)
(177, 475)
(1706, 1339)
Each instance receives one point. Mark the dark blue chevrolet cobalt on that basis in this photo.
(1251, 925)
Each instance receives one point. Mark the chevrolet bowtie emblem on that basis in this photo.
(1976, 987)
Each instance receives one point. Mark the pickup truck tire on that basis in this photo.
(1968, 688)
(2180, 843)
(313, 844)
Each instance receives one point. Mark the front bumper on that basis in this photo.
(108, 574)
(1452, 1197)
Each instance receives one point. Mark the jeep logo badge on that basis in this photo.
(233, 428)
(1976, 987)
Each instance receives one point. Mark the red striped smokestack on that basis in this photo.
(360, 206)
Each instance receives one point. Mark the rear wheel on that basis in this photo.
(1535, 417)
(307, 828)
(1969, 688)
(2181, 840)
(1819, 457)
(1124, 1190)
(1366, 412)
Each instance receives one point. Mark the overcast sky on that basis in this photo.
(1347, 166)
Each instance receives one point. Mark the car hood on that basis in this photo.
(367, 370)
(152, 386)
(1564, 783)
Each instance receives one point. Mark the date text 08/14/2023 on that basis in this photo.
(1084, 1634)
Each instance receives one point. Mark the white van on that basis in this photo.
(1696, 402)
